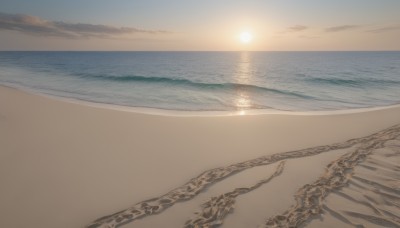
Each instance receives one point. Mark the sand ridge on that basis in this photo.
(217, 208)
(309, 201)
(310, 197)
(372, 192)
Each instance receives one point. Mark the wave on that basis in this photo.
(351, 82)
(198, 85)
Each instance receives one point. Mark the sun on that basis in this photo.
(246, 37)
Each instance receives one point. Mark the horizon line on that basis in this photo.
(198, 51)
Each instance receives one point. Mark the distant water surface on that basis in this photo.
(211, 81)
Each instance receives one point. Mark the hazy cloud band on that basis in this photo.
(385, 29)
(342, 28)
(36, 26)
(297, 28)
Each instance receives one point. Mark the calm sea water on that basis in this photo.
(218, 81)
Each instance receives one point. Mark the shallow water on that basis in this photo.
(211, 81)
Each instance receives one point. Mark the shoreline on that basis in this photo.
(69, 164)
(188, 113)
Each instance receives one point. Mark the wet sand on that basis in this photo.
(70, 165)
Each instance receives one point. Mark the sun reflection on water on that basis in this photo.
(242, 76)
(242, 101)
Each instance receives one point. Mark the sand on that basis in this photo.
(64, 164)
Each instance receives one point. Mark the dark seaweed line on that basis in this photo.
(196, 185)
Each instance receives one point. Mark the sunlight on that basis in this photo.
(246, 37)
(243, 77)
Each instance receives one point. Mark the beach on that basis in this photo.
(65, 164)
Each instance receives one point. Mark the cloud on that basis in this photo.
(297, 28)
(342, 28)
(36, 26)
(308, 37)
(385, 29)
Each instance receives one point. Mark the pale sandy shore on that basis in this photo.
(64, 164)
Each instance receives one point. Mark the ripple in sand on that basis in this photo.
(369, 197)
(310, 196)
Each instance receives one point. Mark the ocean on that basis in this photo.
(211, 81)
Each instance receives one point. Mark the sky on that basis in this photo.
(208, 25)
